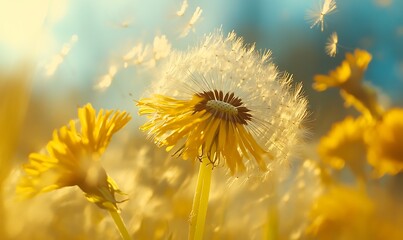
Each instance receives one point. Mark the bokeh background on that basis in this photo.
(99, 33)
(69, 46)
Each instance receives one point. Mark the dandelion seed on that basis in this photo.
(106, 80)
(190, 25)
(148, 55)
(183, 8)
(317, 16)
(51, 68)
(133, 52)
(72, 158)
(161, 47)
(125, 23)
(331, 45)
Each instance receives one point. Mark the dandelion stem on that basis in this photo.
(271, 226)
(200, 201)
(196, 203)
(2, 213)
(120, 224)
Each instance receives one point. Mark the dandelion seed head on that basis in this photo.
(234, 92)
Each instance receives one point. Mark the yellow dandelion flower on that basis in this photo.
(72, 158)
(348, 77)
(222, 101)
(345, 145)
(341, 213)
(385, 152)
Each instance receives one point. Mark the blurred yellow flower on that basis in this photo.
(72, 158)
(385, 150)
(349, 78)
(224, 101)
(14, 96)
(348, 75)
(341, 213)
(344, 144)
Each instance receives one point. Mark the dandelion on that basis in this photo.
(223, 103)
(349, 78)
(385, 152)
(331, 45)
(317, 16)
(72, 158)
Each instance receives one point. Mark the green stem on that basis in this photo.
(120, 224)
(200, 201)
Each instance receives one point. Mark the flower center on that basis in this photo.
(225, 106)
(221, 106)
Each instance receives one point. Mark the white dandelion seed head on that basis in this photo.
(226, 64)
